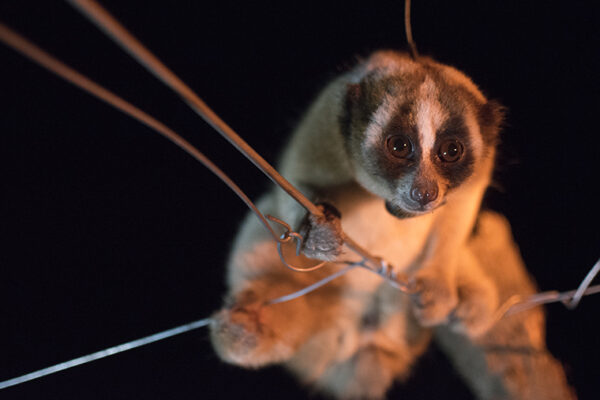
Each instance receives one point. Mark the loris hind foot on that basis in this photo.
(243, 334)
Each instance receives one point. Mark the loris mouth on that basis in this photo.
(401, 213)
(397, 211)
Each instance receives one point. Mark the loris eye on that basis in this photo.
(399, 146)
(450, 151)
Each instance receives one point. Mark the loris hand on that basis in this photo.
(323, 239)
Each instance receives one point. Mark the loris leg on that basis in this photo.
(510, 360)
(477, 297)
(252, 333)
(249, 331)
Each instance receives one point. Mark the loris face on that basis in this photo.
(416, 131)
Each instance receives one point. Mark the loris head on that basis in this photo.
(416, 131)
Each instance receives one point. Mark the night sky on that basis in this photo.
(110, 233)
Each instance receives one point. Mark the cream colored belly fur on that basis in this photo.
(340, 341)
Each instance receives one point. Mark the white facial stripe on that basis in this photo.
(426, 127)
(430, 116)
(379, 121)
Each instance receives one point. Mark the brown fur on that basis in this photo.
(511, 360)
(355, 336)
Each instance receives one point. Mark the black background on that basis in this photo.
(110, 233)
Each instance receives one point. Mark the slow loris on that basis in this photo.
(404, 149)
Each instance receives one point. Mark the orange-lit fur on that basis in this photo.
(354, 336)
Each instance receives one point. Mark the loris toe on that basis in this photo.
(474, 314)
(434, 302)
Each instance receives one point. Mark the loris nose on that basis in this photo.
(424, 194)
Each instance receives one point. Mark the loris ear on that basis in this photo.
(350, 104)
(491, 115)
(352, 93)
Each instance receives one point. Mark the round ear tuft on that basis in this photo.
(491, 115)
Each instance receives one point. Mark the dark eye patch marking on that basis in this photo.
(456, 172)
(403, 124)
(363, 99)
